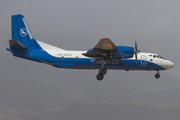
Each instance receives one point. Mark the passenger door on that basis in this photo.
(143, 60)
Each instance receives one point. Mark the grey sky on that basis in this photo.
(28, 86)
(79, 25)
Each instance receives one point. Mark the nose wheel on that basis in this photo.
(102, 72)
(157, 75)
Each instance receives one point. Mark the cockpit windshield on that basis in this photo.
(158, 56)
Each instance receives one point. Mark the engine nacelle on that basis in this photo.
(123, 52)
(118, 53)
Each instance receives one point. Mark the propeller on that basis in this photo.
(136, 51)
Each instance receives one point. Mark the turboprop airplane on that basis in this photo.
(105, 55)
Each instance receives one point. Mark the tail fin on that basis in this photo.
(22, 33)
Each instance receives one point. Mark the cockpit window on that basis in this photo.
(158, 56)
(162, 57)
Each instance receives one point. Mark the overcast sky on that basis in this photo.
(80, 24)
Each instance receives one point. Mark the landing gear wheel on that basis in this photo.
(99, 76)
(157, 75)
(103, 70)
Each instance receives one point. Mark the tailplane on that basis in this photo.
(15, 44)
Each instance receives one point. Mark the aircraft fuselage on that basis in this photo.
(105, 55)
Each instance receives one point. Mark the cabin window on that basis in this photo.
(62, 57)
(154, 56)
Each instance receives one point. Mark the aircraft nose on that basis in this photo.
(169, 64)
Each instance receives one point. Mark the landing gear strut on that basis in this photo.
(102, 72)
(157, 75)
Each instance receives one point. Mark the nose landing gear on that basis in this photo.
(157, 75)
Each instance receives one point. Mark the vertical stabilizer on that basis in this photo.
(22, 33)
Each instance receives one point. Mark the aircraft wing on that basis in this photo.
(105, 44)
(105, 48)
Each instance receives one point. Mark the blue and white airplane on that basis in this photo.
(105, 55)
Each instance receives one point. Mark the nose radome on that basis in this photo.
(169, 64)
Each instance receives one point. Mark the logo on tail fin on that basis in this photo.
(23, 32)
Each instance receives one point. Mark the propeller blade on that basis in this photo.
(136, 57)
(136, 51)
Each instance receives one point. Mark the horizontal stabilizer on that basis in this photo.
(15, 44)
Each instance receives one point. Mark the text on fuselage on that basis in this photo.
(64, 54)
(107, 62)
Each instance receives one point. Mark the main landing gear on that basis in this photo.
(157, 75)
(102, 72)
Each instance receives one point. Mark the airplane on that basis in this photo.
(105, 55)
